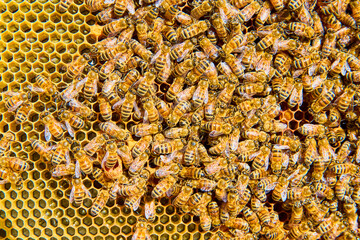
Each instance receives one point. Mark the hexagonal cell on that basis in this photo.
(78, 38)
(25, 67)
(31, 37)
(14, 67)
(19, 17)
(31, 17)
(37, 47)
(43, 17)
(37, 7)
(19, 57)
(12, 7)
(61, 28)
(19, 37)
(79, 19)
(20, 77)
(55, 58)
(67, 18)
(49, 8)
(31, 57)
(66, 58)
(43, 57)
(6, 37)
(73, 28)
(84, 10)
(84, 29)
(50, 67)
(49, 27)
(25, 27)
(3, 67)
(38, 67)
(13, 47)
(71, 48)
(13, 27)
(55, 17)
(37, 27)
(2, 27)
(84, 48)
(55, 37)
(25, 7)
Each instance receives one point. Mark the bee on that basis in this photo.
(219, 26)
(111, 157)
(78, 190)
(323, 100)
(105, 108)
(175, 88)
(164, 184)
(16, 99)
(215, 166)
(99, 176)
(100, 202)
(149, 210)
(71, 120)
(95, 144)
(179, 110)
(299, 230)
(300, 29)
(299, 193)
(61, 152)
(150, 110)
(344, 168)
(203, 184)
(14, 163)
(145, 83)
(169, 147)
(192, 173)
(6, 140)
(140, 231)
(141, 50)
(263, 14)
(10, 176)
(179, 51)
(209, 48)
(248, 12)
(131, 77)
(234, 43)
(63, 170)
(166, 170)
(72, 91)
(170, 34)
(201, 10)
(162, 107)
(113, 130)
(294, 144)
(64, 5)
(255, 134)
(138, 163)
(344, 100)
(214, 212)
(40, 147)
(52, 127)
(76, 67)
(116, 26)
(312, 129)
(84, 162)
(182, 69)
(252, 219)
(141, 146)
(45, 85)
(127, 106)
(197, 71)
(141, 130)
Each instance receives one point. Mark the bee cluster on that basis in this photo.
(189, 101)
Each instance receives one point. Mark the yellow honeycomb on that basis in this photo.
(36, 39)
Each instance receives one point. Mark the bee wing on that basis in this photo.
(158, 3)
(157, 54)
(346, 68)
(130, 6)
(136, 204)
(118, 104)
(77, 169)
(69, 128)
(47, 133)
(36, 89)
(284, 194)
(149, 209)
(104, 159)
(336, 62)
(67, 156)
(87, 192)
(312, 69)
(16, 106)
(72, 194)
(215, 133)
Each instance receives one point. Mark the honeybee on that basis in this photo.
(179, 51)
(234, 43)
(111, 157)
(16, 99)
(100, 202)
(344, 168)
(63, 170)
(138, 163)
(52, 127)
(113, 130)
(162, 107)
(263, 14)
(84, 162)
(252, 219)
(76, 67)
(201, 10)
(215, 166)
(10, 176)
(192, 173)
(294, 144)
(40, 147)
(151, 113)
(71, 120)
(299, 28)
(61, 152)
(312, 129)
(141, 232)
(105, 108)
(299, 230)
(224, 97)
(45, 85)
(169, 147)
(164, 184)
(299, 193)
(140, 50)
(78, 190)
(141, 146)
(170, 34)
(141, 130)
(14, 163)
(95, 144)
(179, 110)
(219, 26)
(6, 140)
(145, 83)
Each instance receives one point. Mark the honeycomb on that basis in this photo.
(36, 39)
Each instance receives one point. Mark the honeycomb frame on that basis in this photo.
(36, 39)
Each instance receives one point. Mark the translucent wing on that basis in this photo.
(72, 194)
(157, 54)
(130, 6)
(69, 129)
(104, 159)
(47, 133)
